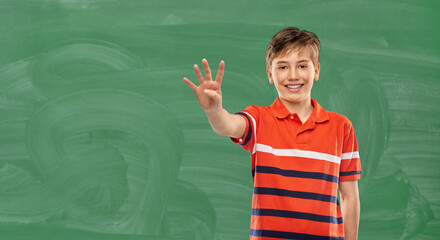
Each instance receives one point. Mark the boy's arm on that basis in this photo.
(350, 207)
(226, 124)
(209, 96)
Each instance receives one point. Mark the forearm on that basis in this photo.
(224, 123)
(350, 211)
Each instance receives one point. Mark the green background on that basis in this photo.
(101, 139)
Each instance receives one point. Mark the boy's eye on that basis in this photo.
(303, 66)
(282, 67)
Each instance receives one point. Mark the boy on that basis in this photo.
(301, 153)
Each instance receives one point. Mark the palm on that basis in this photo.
(205, 101)
(211, 98)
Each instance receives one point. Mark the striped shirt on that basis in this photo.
(296, 168)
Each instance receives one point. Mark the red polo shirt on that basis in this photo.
(296, 169)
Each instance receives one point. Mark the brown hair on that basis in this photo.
(291, 38)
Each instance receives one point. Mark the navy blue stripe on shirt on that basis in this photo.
(249, 135)
(298, 174)
(349, 173)
(295, 194)
(291, 235)
(297, 215)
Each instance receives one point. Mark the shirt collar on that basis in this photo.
(280, 111)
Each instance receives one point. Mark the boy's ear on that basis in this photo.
(269, 75)
(316, 72)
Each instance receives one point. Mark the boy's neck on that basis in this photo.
(303, 109)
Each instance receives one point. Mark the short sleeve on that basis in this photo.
(250, 115)
(350, 168)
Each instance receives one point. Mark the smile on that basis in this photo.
(294, 86)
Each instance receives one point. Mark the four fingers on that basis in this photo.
(207, 74)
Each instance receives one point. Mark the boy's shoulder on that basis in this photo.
(337, 116)
(334, 118)
(332, 115)
(340, 119)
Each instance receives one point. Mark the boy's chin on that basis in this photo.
(295, 99)
(294, 95)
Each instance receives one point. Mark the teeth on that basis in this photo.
(294, 86)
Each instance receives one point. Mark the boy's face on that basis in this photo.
(293, 75)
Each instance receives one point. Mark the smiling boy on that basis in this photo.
(301, 154)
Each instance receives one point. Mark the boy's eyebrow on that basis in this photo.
(302, 60)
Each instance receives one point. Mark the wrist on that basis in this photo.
(214, 111)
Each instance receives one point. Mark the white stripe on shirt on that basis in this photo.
(350, 155)
(255, 131)
(297, 153)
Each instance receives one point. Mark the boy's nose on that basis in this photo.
(293, 74)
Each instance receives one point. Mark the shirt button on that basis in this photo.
(292, 117)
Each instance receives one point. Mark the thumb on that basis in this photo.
(212, 94)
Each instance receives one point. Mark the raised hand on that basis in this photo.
(208, 92)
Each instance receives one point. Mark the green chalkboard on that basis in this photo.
(101, 139)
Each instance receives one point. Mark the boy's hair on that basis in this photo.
(292, 39)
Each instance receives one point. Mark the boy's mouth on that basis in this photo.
(294, 87)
